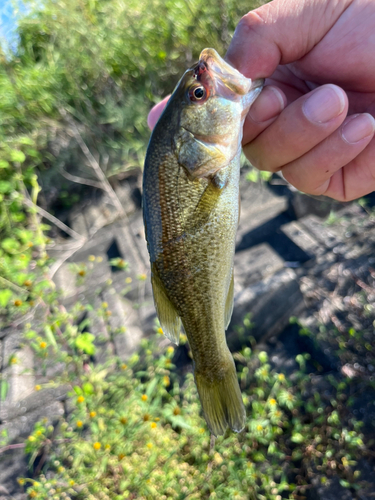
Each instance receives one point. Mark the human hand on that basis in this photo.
(314, 121)
(322, 140)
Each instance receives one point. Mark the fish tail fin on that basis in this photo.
(221, 399)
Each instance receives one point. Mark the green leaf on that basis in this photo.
(88, 388)
(84, 342)
(5, 187)
(10, 245)
(180, 422)
(50, 336)
(151, 387)
(4, 387)
(4, 164)
(17, 156)
(297, 438)
(5, 296)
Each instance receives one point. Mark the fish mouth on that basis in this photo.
(225, 80)
(223, 74)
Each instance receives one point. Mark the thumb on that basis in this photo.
(281, 32)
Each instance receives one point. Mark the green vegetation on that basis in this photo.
(135, 430)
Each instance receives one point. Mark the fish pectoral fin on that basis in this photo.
(229, 302)
(169, 320)
(206, 204)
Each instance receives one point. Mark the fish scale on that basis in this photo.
(191, 211)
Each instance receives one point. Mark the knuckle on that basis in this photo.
(250, 21)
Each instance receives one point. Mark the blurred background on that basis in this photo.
(94, 402)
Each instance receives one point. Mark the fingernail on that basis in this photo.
(358, 128)
(324, 104)
(269, 104)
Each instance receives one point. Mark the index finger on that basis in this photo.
(280, 32)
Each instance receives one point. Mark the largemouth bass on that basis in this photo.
(191, 212)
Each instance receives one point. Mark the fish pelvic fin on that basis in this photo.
(229, 303)
(221, 400)
(169, 319)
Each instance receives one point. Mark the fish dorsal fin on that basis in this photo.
(229, 302)
(167, 314)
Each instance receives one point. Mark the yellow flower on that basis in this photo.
(104, 305)
(123, 420)
(61, 469)
(91, 258)
(37, 387)
(21, 481)
(38, 433)
(80, 399)
(142, 277)
(281, 377)
(43, 345)
(92, 414)
(107, 446)
(82, 272)
(31, 438)
(128, 279)
(124, 366)
(272, 402)
(170, 350)
(177, 411)
(79, 423)
(29, 244)
(202, 430)
(18, 303)
(71, 482)
(14, 360)
(166, 381)
(159, 331)
(144, 397)
(33, 494)
(153, 425)
(97, 445)
(149, 446)
(121, 456)
(27, 283)
(259, 427)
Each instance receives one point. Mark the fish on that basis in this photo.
(191, 213)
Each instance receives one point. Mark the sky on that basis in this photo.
(8, 18)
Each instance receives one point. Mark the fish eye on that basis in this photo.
(198, 93)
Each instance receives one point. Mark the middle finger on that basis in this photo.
(300, 127)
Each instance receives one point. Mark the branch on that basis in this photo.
(53, 219)
(10, 284)
(56, 266)
(80, 180)
(12, 447)
(95, 166)
(105, 184)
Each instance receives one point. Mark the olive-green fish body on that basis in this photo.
(191, 211)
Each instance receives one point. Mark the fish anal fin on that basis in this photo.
(169, 320)
(221, 399)
(229, 302)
